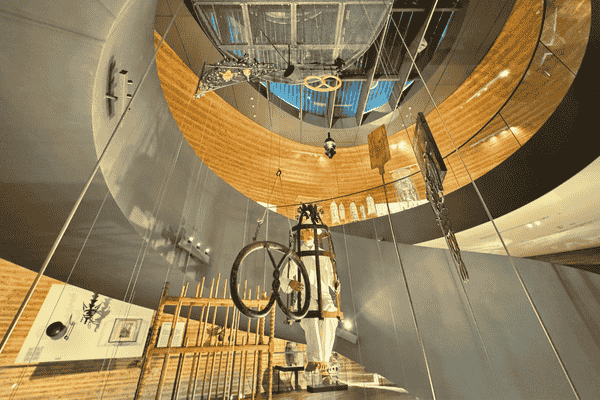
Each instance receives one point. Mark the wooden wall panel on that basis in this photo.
(92, 379)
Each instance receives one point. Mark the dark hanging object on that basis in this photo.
(329, 146)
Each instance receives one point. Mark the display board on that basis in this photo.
(116, 330)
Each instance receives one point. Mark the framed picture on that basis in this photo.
(125, 330)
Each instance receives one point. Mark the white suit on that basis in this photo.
(319, 334)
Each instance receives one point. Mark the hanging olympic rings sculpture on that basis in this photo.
(309, 223)
(288, 256)
(323, 86)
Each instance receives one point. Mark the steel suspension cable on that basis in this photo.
(412, 308)
(532, 304)
(60, 235)
(50, 315)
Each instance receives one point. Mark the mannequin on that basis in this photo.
(319, 334)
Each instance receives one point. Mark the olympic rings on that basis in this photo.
(323, 86)
(288, 256)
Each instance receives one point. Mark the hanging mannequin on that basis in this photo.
(319, 334)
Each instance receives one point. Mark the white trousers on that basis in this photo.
(319, 335)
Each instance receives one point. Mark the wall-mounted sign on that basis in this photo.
(118, 87)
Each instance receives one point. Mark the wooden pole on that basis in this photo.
(260, 327)
(232, 335)
(225, 339)
(151, 344)
(237, 324)
(181, 361)
(194, 360)
(212, 368)
(161, 381)
(261, 353)
(210, 340)
(271, 351)
(245, 355)
(202, 340)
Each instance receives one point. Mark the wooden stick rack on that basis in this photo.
(216, 359)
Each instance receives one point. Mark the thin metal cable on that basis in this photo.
(79, 199)
(202, 164)
(391, 311)
(492, 219)
(146, 245)
(194, 195)
(352, 296)
(14, 392)
(466, 296)
(412, 309)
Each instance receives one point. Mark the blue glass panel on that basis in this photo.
(379, 95)
(315, 102)
(227, 22)
(445, 29)
(288, 93)
(346, 101)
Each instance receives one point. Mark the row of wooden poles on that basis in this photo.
(233, 342)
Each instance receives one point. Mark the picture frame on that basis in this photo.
(125, 330)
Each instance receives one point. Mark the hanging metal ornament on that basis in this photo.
(309, 218)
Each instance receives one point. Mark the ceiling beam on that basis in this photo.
(442, 9)
(338, 29)
(406, 62)
(366, 86)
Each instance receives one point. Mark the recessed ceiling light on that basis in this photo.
(504, 73)
(251, 98)
(530, 225)
(538, 223)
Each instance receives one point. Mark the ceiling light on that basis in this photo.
(504, 73)
(329, 146)
(190, 239)
(347, 324)
(538, 223)
(530, 225)
(207, 251)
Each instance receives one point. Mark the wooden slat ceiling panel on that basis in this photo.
(247, 155)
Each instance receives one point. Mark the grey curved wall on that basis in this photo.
(53, 77)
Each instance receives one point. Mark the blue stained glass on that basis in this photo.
(288, 93)
(346, 102)
(379, 95)
(214, 22)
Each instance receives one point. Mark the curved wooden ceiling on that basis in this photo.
(247, 156)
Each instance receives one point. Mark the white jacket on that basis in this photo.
(327, 279)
